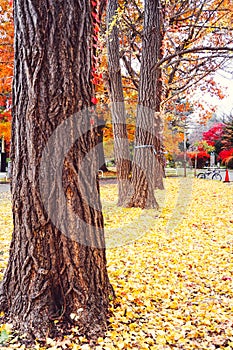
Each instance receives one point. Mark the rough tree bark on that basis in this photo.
(121, 144)
(147, 170)
(53, 274)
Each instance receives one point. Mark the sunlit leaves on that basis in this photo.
(5, 229)
(174, 287)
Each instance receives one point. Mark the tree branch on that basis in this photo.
(193, 50)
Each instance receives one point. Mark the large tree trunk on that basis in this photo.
(147, 171)
(121, 144)
(57, 264)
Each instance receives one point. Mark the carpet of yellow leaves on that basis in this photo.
(6, 227)
(173, 277)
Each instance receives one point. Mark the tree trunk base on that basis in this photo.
(141, 199)
(92, 325)
(138, 203)
(54, 316)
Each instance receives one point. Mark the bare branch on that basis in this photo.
(134, 76)
(193, 50)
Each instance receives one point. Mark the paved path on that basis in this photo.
(4, 188)
(106, 181)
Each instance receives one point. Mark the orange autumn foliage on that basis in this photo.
(5, 130)
(6, 68)
(6, 47)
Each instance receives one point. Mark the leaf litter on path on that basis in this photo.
(173, 277)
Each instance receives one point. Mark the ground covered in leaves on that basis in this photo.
(172, 270)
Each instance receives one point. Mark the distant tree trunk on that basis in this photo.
(147, 162)
(100, 128)
(121, 144)
(54, 273)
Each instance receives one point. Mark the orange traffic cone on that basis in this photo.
(226, 176)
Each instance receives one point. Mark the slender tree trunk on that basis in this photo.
(147, 166)
(98, 12)
(57, 264)
(100, 128)
(121, 144)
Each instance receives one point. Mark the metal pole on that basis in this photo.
(195, 165)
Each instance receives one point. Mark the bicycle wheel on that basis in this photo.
(217, 176)
(201, 176)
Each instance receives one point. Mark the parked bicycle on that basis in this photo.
(213, 173)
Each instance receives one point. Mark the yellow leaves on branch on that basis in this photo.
(174, 280)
